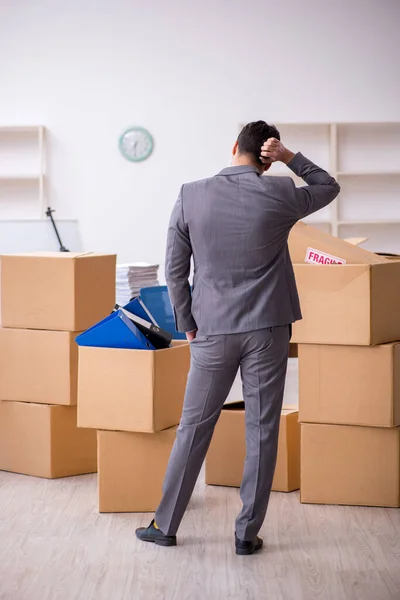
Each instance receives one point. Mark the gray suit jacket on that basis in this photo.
(236, 227)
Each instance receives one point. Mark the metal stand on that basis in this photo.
(49, 213)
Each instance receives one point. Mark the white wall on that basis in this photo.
(190, 72)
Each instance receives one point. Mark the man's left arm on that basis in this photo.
(177, 268)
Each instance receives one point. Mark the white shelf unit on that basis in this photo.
(365, 159)
(22, 172)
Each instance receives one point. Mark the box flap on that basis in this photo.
(289, 411)
(389, 256)
(239, 405)
(355, 241)
(61, 255)
(310, 245)
(236, 405)
(92, 254)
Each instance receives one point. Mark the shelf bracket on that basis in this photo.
(49, 213)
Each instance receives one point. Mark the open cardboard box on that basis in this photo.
(121, 389)
(348, 295)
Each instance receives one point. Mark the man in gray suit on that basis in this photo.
(239, 315)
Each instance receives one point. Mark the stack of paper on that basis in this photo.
(132, 277)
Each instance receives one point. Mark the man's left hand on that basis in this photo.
(191, 335)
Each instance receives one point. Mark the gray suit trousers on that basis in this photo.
(262, 357)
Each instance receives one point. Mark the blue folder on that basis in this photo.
(138, 308)
(115, 331)
(158, 303)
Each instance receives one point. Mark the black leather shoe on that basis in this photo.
(152, 534)
(243, 548)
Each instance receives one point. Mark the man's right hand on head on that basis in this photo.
(273, 151)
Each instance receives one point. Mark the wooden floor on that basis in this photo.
(55, 546)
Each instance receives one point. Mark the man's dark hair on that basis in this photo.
(253, 136)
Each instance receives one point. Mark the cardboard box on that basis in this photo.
(304, 237)
(354, 303)
(38, 366)
(343, 464)
(131, 469)
(348, 304)
(350, 385)
(44, 441)
(132, 390)
(56, 290)
(227, 452)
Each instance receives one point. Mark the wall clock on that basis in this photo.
(136, 144)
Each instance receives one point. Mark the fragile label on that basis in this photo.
(321, 258)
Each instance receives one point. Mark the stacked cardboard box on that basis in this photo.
(134, 399)
(227, 452)
(45, 299)
(349, 371)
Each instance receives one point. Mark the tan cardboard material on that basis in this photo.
(131, 469)
(354, 303)
(56, 290)
(44, 441)
(226, 455)
(38, 366)
(350, 385)
(132, 390)
(348, 304)
(356, 241)
(303, 237)
(343, 464)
